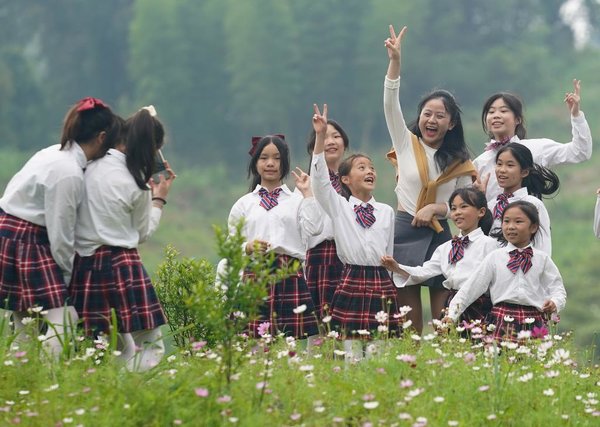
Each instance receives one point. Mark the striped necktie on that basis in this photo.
(494, 144)
(520, 259)
(364, 215)
(268, 200)
(335, 181)
(501, 204)
(457, 252)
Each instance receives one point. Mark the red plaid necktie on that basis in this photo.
(520, 259)
(269, 200)
(493, 144)
(364, 215)
(501, 204)
(335, 181)
(457, 252)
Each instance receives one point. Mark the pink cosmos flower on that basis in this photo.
(539, 332)
(263, 328)
(201, 392)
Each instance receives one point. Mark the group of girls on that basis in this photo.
(70, 222)
(497, 268)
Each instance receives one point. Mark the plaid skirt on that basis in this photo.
(29, 276)
(114, 278)
(479, 310)
(323, 272)
(284, 296)
(362, 293)
(508, 330)
(415, 245)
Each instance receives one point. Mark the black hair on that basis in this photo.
(144, 137)
(345, 168)
(453, 146)
(82, 126)
(284, 153)
(514, 103)
(540, 180)
(476, 198)
(310, 142)
(528, 209)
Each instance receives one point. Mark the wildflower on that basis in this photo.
(326, 319)
(381, 316)
(306, 368)
(429, 337)
(198, 345)
(539, 332)
(24, 392)
(171, 358)
(319, 409)
(491, 417)
(552, 374)
(51, 388)
(382, 328)
(27, 320)
(484, 388)
(333, 334)
(300, 309)
(295, 416)
(67, 420)
(549, 392)
(561, 354)
(555, 317)
(529, 320)
(42, 338)
(339, 352)
(438, 399)
(263, 328)
(508, 318)
(201, 392)
(406, 383)
(491, 327)
(36, 309)
(404, 310)
(407, 324)
(524, 335)
(469, 357)
(524, 378)
(363, 332)
(452, 423)
(233, 420)
(224, 399)
(408, 358)
(239, 314)
(80, 411)
(416, 337)
(371, 404)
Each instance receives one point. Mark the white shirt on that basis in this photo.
(312, 216)
(541, 283)
(545, 152)
(543, 239)
(115, 211)
(280, 226)
(46, 192)
(409, 184)
(355, 244)
(456, 274)
(597, 218)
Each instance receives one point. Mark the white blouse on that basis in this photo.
(355, 244)
(409, 184)
(47, 191)
(545, 152)
(456, 274)
(115, 211)
(541, 283)
(543, 239)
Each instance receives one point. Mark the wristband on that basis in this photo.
(160, 199)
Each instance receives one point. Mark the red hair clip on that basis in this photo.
(256, 139)
(90, 103)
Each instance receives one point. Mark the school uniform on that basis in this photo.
(274, 218)
(362, 239)
(37, 225)
(597, 218)
(456, 260)
(519, 281)
(414, 245)
(114, 218)
(323, 267)
(543, 238)
(545, 152)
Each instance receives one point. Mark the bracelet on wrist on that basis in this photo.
(160, 199)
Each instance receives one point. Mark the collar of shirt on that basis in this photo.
(510, 247)
(515, 138)
(284, 188)
(520, 193)
(117, 155)
(354, 201)
(77, 152)
(473, 235)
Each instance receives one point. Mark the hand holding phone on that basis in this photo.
(160, 168)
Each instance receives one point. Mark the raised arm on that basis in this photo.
(393, 44)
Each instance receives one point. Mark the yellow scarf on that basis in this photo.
(429, 188)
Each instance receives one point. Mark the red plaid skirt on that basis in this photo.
(114, 278)
(323, 273)
(507, 331)
(284, 296)
(479, 310)
(29, 276)
(362, 293)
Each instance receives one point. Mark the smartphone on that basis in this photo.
(160, 168)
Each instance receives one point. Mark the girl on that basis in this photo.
(363, 231)
(502, 119)
(323, 268)
(270, 214)
(521, 179)
(457, 259)
(37, 219)
(432, 161)
(120, 211)
(524, 284)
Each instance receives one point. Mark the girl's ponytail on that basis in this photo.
(145, 135)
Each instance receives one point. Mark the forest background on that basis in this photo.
(221, 71)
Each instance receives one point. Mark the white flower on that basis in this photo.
(371, 405)
(508, 318)
(363, 332)
(326, 319)
(300, 309)
(42, 338)
(438, 399)
(524, 335)
(339, 352)
(407, 324)
(452, 423)
(52, 387)
(491, 327)
(381, 316)
(80, 411)
(35, 309)
(416, 337)
(306, 368)
(524, 378)
(404, 310)
(150, 109)
(171, 358)
(529, 320)
(27, 320)
(382, 328)
(333, 334)
(24, 392)
(552, 374)
(561, 354)
(549, 392)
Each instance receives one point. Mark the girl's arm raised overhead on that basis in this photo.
(393, 44)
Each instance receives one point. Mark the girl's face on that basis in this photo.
(334, 147)
(500, 120)
(517, 228)
(509, 173)
(362, 177)
(268, 166)
(465, 216)
(434, 122)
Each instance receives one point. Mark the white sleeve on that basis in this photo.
(145, 216)
(235, 216)
(429, 269)
(61, 200)
(394, 119)
(473, 288)
(597, 218)
(576, 151)
(543, 239)
(310, 218)
(323, 191)
(556, 288)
